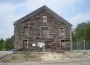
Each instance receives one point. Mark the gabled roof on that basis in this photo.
(39, 10)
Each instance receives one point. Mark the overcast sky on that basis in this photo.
(74, 11)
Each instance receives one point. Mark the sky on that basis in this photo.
(74, 11)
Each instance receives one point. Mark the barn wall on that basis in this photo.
(34, 25)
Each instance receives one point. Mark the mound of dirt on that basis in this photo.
(18, 58)
(52, 56)
(45, 56)
(12, 58)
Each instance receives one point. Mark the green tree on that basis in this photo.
(74, 45)
(1, 43)
(82, 31)
(88, 31)
(9, 43)
(6, 44)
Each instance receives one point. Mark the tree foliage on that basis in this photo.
(1, 43)
(82, 31)
(6, 44)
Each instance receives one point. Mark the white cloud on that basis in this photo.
(79, 18)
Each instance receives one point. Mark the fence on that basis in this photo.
(81, 45)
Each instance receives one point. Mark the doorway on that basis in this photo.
(25, 44)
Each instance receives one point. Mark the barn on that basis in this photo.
(42, 31)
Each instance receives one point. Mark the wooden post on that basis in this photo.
(71, 39)
(60, 45)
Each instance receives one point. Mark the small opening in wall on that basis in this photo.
(62, 32)
(25, 44)
(25, 31)
(44, 19)
(44, 32)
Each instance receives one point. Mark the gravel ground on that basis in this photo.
(83, 61)
(2, 53)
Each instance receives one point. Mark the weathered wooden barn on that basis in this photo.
(42, 30)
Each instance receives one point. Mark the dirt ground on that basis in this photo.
(64, 62)
(46, 58)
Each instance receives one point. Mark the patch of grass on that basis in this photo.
(26, 54)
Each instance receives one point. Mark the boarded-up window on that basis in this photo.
(44, 19)
(25, 30)
(25, 44)
(44, 32)
(62, 32)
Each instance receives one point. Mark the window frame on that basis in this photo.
(60, 32)
(41, 30)
(25, 30)
(25, 47)
(44, 17)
